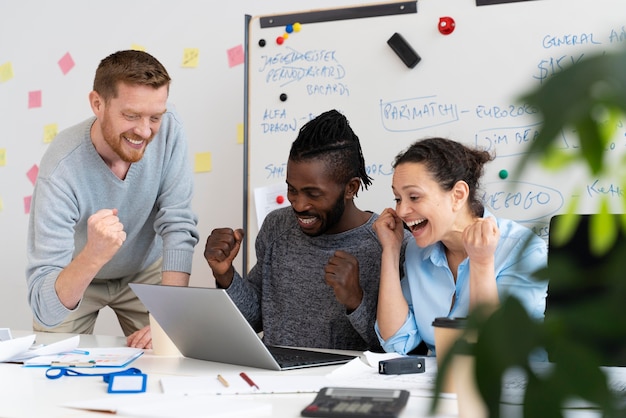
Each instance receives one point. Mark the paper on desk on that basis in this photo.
(373, 358)
(165, 406)
(10, 349)
(102, 357)
(267, 383)
(359, 373)
(27, 353)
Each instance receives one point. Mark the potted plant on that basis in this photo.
(589, 96)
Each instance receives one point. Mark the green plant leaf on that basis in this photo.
(501, 346)
(603, 229)
(608, 129)
(556, 159)
(589, 98)
(591, 143)
(564, 227)
(540, 399)
(571, 98)
(579, 376)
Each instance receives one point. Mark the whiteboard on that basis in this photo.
(466, 87)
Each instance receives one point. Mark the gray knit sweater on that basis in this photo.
(285, 295)
(154, 203)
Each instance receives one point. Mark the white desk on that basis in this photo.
(26, 392)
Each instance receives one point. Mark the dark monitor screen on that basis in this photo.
(587, 293)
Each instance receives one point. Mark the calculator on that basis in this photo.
(337, 402)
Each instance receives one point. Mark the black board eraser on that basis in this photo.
(406, 53)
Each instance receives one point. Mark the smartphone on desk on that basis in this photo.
(337, 402)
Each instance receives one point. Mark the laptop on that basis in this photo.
(205, 324)
(579, 279)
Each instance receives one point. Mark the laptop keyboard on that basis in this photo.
(293, 357)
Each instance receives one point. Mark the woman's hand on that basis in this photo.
(389, 229)
(480, 240)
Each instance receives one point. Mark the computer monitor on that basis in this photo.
(581, 286)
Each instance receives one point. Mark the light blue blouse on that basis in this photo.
(428, 284)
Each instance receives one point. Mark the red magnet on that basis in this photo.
(280, 40)
(446, 25)
(280, 199)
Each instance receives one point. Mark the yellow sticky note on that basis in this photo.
(136, 47)
(1, 207)
(3, 157)
(6, 72)
(240, 133)
(190, 57)
(203, 162)
(49, 132)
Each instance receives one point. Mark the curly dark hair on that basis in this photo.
(448, 162)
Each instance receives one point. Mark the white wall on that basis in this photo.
(36, 34)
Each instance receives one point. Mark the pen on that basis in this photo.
(248, 380)
(222, 380)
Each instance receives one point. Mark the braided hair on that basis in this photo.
(330, 139)
(449, 162)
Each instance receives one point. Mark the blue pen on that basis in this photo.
(80, 352)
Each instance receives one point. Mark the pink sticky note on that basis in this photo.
(66, 63)
(34, 99)
(27, 200)
(32, 173)
(235, 56)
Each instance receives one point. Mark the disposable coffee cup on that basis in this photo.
(162, 345)
(447, 332)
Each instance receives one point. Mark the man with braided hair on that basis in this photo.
(315, 283)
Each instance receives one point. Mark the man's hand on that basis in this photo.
(105, 234)
(141, 338)
(221, 248)
(342, 274)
